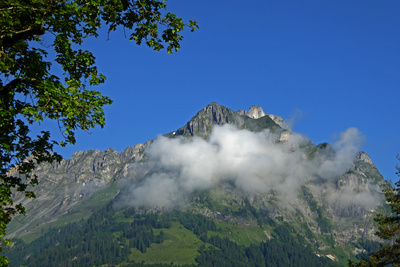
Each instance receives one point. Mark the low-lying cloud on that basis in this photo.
(252, 162)
(346, 148)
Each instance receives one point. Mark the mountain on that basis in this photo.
(213, 114)
(239, 180)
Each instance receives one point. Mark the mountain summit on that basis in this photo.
(240, 170)
(213, 114)
(255, 112)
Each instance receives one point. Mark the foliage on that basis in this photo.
(388, 230)
(283, 250)
(369, 246)
(32, 91)
(196, 223)
(107, 238)
(101, 234)
(261, 217)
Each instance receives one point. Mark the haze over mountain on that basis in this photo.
(243, 168)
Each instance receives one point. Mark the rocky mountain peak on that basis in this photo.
(217, 113)
(202, 123)
(364, 157)
(214, 114)
(278, 120)
(255, 112)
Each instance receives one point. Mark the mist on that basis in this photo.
(253, 162)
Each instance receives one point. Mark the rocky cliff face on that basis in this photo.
(75, 186)
(255, 112)
(63, 186)
(201, 124)
(213, 114)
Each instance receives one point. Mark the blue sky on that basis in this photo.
(328, 65)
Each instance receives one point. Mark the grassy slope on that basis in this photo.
(81, 211)
(242, 235)
(180, 247)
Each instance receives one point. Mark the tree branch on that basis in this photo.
(36, 29)
(11, 86)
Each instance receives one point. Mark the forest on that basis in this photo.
(110, 237)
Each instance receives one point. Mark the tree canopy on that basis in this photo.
(31, 91)
(388, 230)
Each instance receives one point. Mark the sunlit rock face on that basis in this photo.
(255, 112)
(278, 120)
(214, 114)
(364, 157)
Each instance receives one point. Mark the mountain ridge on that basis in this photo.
(213, 114)
(76, 186)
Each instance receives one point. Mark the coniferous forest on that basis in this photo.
(111, 237)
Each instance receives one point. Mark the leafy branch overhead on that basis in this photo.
(30, 91)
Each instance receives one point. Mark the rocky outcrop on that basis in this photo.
(278, 120)
(364, 157)
(255, 112)
(66, 184)
(213, 114)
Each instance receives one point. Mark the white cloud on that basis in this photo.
(253, 162)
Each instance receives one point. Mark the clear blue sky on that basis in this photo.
(330, 65)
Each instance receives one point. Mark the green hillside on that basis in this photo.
(130, 237)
